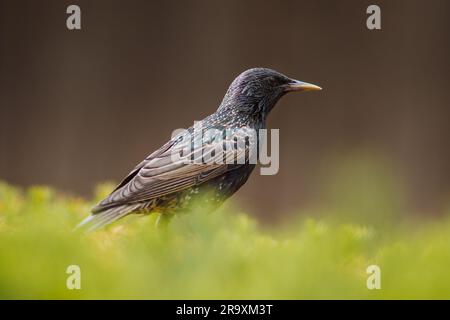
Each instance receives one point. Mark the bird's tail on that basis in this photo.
(101, 219)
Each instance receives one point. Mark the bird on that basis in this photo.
(169, 180)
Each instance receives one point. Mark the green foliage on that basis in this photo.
(222, 255)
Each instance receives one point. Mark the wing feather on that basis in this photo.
(159, 175)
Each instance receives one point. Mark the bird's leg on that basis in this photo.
(163, 220)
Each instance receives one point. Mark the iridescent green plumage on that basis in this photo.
(162, 184)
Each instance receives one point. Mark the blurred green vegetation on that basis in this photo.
(322, 252)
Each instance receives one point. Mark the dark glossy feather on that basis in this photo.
(167, 185)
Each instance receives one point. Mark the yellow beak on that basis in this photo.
(302, 86)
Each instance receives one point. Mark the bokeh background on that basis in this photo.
(81, 107)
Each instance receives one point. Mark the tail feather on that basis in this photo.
(101, 219)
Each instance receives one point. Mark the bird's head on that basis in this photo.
(256, 91)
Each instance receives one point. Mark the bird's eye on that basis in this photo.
(271, 81)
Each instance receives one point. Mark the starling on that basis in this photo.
(169, 179)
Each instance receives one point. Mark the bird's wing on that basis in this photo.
(160, 174)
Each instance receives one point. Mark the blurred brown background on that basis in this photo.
(81, 107)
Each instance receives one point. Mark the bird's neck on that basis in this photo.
(241, 117)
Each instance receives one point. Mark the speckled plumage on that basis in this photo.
(160, 184)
